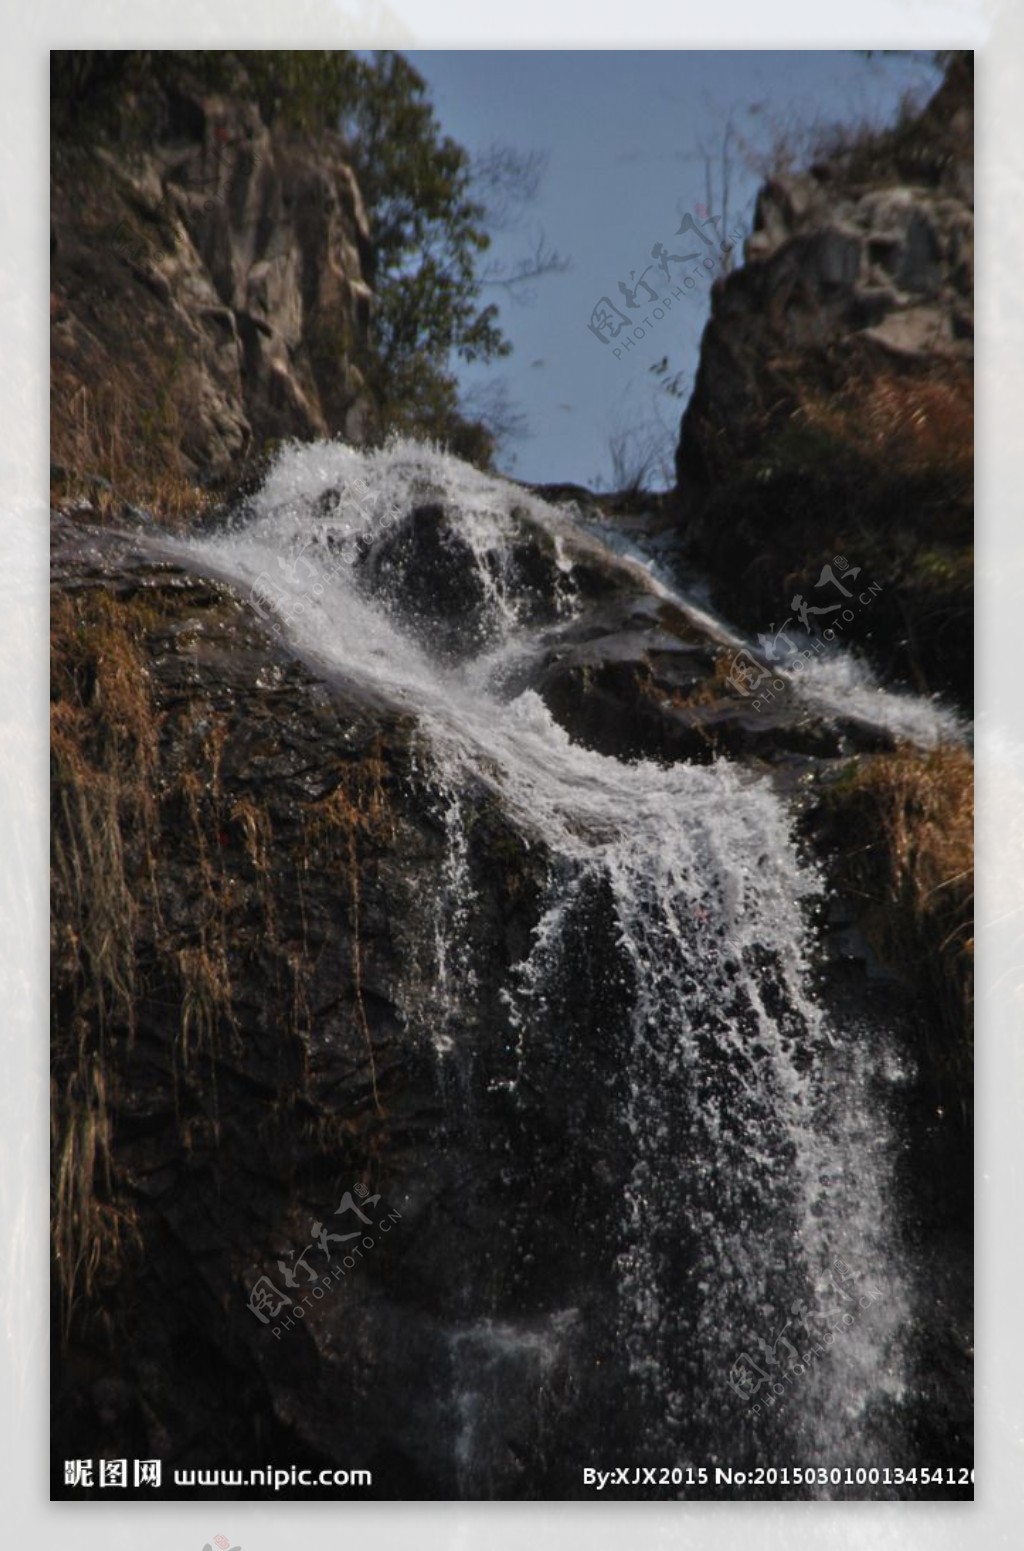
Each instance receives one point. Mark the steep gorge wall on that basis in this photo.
(245, 866)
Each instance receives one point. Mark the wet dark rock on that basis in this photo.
(425, 569)
(456, 602)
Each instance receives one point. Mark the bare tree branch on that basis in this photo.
(717, 189)
(506, 181)
(641, 453)
(492, 404)
(515, 278)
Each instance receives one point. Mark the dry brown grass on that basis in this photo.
(258, 839)
(358, 809)
(203, 962)
(92, 1233)
(163, 887)
(914, 877)
(205, 1001)
(105, 753)
(905, 426)
(123, 431)
(104, 747)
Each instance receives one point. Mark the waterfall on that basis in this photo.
(759, 1295)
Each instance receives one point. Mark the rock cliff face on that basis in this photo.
(207, 294)
(246, 864)
(832, 411)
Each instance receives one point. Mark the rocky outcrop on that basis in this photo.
(832, 410)
(207, 295)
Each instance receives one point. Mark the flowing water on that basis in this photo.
(760, 1295)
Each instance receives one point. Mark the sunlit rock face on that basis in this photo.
(207, 290)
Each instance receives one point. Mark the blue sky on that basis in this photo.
(626, 134)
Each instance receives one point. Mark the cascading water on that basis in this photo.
(759, 1292)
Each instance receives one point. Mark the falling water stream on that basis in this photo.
(761, 1296)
